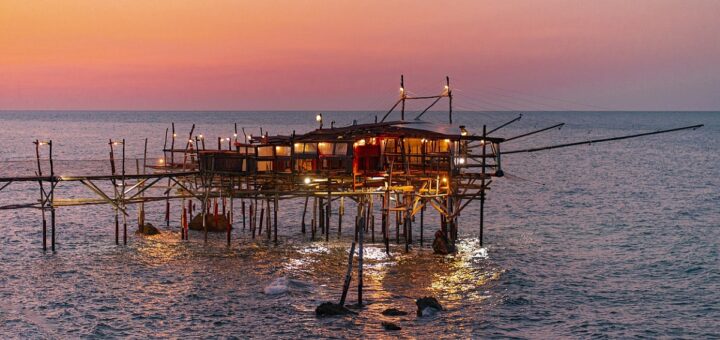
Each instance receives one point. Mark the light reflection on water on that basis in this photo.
(619, 241)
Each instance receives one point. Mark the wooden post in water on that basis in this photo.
(361, 230)
(112, 171)
(275, 219)
(321, 215)
(341, 212)
(482, 185)
(422, 221)
(122, 194)
(42, 193)
(302, 223)
(348, 275)
(385, 216)
(51, 201)
(267, 222)
(371, 211)
(398, 218)
(252, 220)
(242, 210)
(261, 219)
(313, 225)
(329, 211)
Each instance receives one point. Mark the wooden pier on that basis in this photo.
(406, 168)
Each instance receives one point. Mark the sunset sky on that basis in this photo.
(348, 55)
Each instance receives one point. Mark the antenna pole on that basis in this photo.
(449, 94)
(402, 97)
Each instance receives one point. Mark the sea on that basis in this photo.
(607, 240)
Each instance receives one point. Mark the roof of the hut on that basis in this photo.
(417, 129)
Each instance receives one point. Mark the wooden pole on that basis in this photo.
(422, 222)
(242, 209)
(372, 219)
(122, 193)
(252, 224)
(302, 223)
(329, 210)
(275, 219)
(341, 211)
(183, 219)
(385, 215)
(360, 259)
(348, 275)
(321, 214)
(482, 186)
(398, 218)
(267, 221)
(112, 171)
(313, 225)
(42, 193)
(53, 182)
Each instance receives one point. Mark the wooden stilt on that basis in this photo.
(341, 212)
(482, 186)
(348, 275)
(267, 222)
(313, 225)
(242, 209)
(361, 228)
(117, 228)
(302, 223)
(52, 228)
(422, 223)
(275, 219)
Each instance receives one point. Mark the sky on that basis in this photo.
(349, 55)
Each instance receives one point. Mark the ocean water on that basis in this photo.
(614, 240)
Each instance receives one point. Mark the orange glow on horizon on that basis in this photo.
(222, 54)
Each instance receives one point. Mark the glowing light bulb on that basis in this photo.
(318, 117)
(307, 180)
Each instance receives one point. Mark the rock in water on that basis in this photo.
(148, 229)
(278, 286)
(393, 312)
(429, 311)
(427, 306)
(221, 225)
(389, 326)
(441, 244)
(332, 309)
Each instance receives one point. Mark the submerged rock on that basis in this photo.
(427, 306)
(148, 229)
(221, 225)
(389, 326)
(441, 244)
(278, 286)
(332, 309)
(282, 285)
(393, 312)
